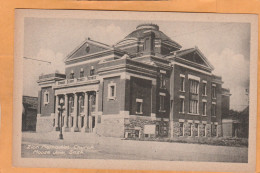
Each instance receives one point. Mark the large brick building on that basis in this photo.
(143, 86)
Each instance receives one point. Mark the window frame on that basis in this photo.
(204, 88)
(181, 134)
(190, 126)
(214, 91)
(72, 75)
(109, 92)
(197, 134)
(162, 79)
(204, 108)
(182, 105)
(194, 86)
(92, 71)
(46, 97)
(213, 109)
(141, 106)
(81, 73)
(191, 107)
(162, 97)
(182, 83)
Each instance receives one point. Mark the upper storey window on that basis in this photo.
(162, 79)
(71, 74)
(194, 86)
(81, 74)
(46, 97)
(182, 82)
(111, 90)
(204, 88)
(146, 43)
(92, 71)
(213, 90)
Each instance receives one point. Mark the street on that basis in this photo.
(91, 146)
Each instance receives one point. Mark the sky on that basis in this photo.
(226, 45)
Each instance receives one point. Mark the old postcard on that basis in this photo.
(135, 90)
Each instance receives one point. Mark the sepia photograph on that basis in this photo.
(135, 90)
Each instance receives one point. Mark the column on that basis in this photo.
(80, 114)
(86, 117)
(90, 116)
(66, 111)
(75, 113)
(96, 109)
(56, 113)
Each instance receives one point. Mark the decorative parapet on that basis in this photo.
(76, 80)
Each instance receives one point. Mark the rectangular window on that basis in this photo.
(213, 109)
(203, 129)
(196, 131)
(193, 107)
(46, 97)
(92, 72)
(71, 75)
(162, 80)
(181, 129)
(139, 106)
(214, 130)
(182, 84)
(204, 108)
(162, 102)
(190, 130)
(111, 90)
(81, 74)
(194, 86)
(204, 89)
(181, 105)
(213, 91)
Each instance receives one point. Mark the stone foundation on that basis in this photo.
(190, 129)
(111, 126)
(220, 131)
(135, 127)
(44, 123)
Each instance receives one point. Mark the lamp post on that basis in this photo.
(61, 109)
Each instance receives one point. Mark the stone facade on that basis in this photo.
(135, 127)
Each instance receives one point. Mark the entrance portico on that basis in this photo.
(81, 106)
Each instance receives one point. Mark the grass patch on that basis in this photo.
(218, 141)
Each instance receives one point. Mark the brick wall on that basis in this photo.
(111, 106)
(140, 89)
(47, 109)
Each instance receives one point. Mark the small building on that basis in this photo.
(29, 114)
(145, 85)
(236, 124)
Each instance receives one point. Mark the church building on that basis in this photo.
(144, 86)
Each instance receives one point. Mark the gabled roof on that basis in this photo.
(88, 46)
(194, 55)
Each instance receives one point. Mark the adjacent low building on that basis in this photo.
(143, 86)
(29, 114)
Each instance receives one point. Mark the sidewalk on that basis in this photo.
(116, 148)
